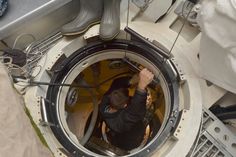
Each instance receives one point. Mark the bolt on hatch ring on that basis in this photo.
(134, 48)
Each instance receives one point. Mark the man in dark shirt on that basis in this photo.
(124, 116)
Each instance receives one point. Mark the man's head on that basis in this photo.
(119, 98)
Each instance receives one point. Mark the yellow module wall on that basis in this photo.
(93, 75)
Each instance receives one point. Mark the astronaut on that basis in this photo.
(124, 115)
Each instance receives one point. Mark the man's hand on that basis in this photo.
(145, 77)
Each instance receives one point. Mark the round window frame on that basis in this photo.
(122, 45)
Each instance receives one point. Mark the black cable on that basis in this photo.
(194, 1)
(224, 113)
(127, 24)
(167, 12)
(4, 43)
(35, 83)
(180, 31)
(227, 115)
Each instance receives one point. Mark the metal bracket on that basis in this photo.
(126, 60)
(44, 122)
(139, 37)
(178, 69)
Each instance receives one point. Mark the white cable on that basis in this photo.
(20, 36)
